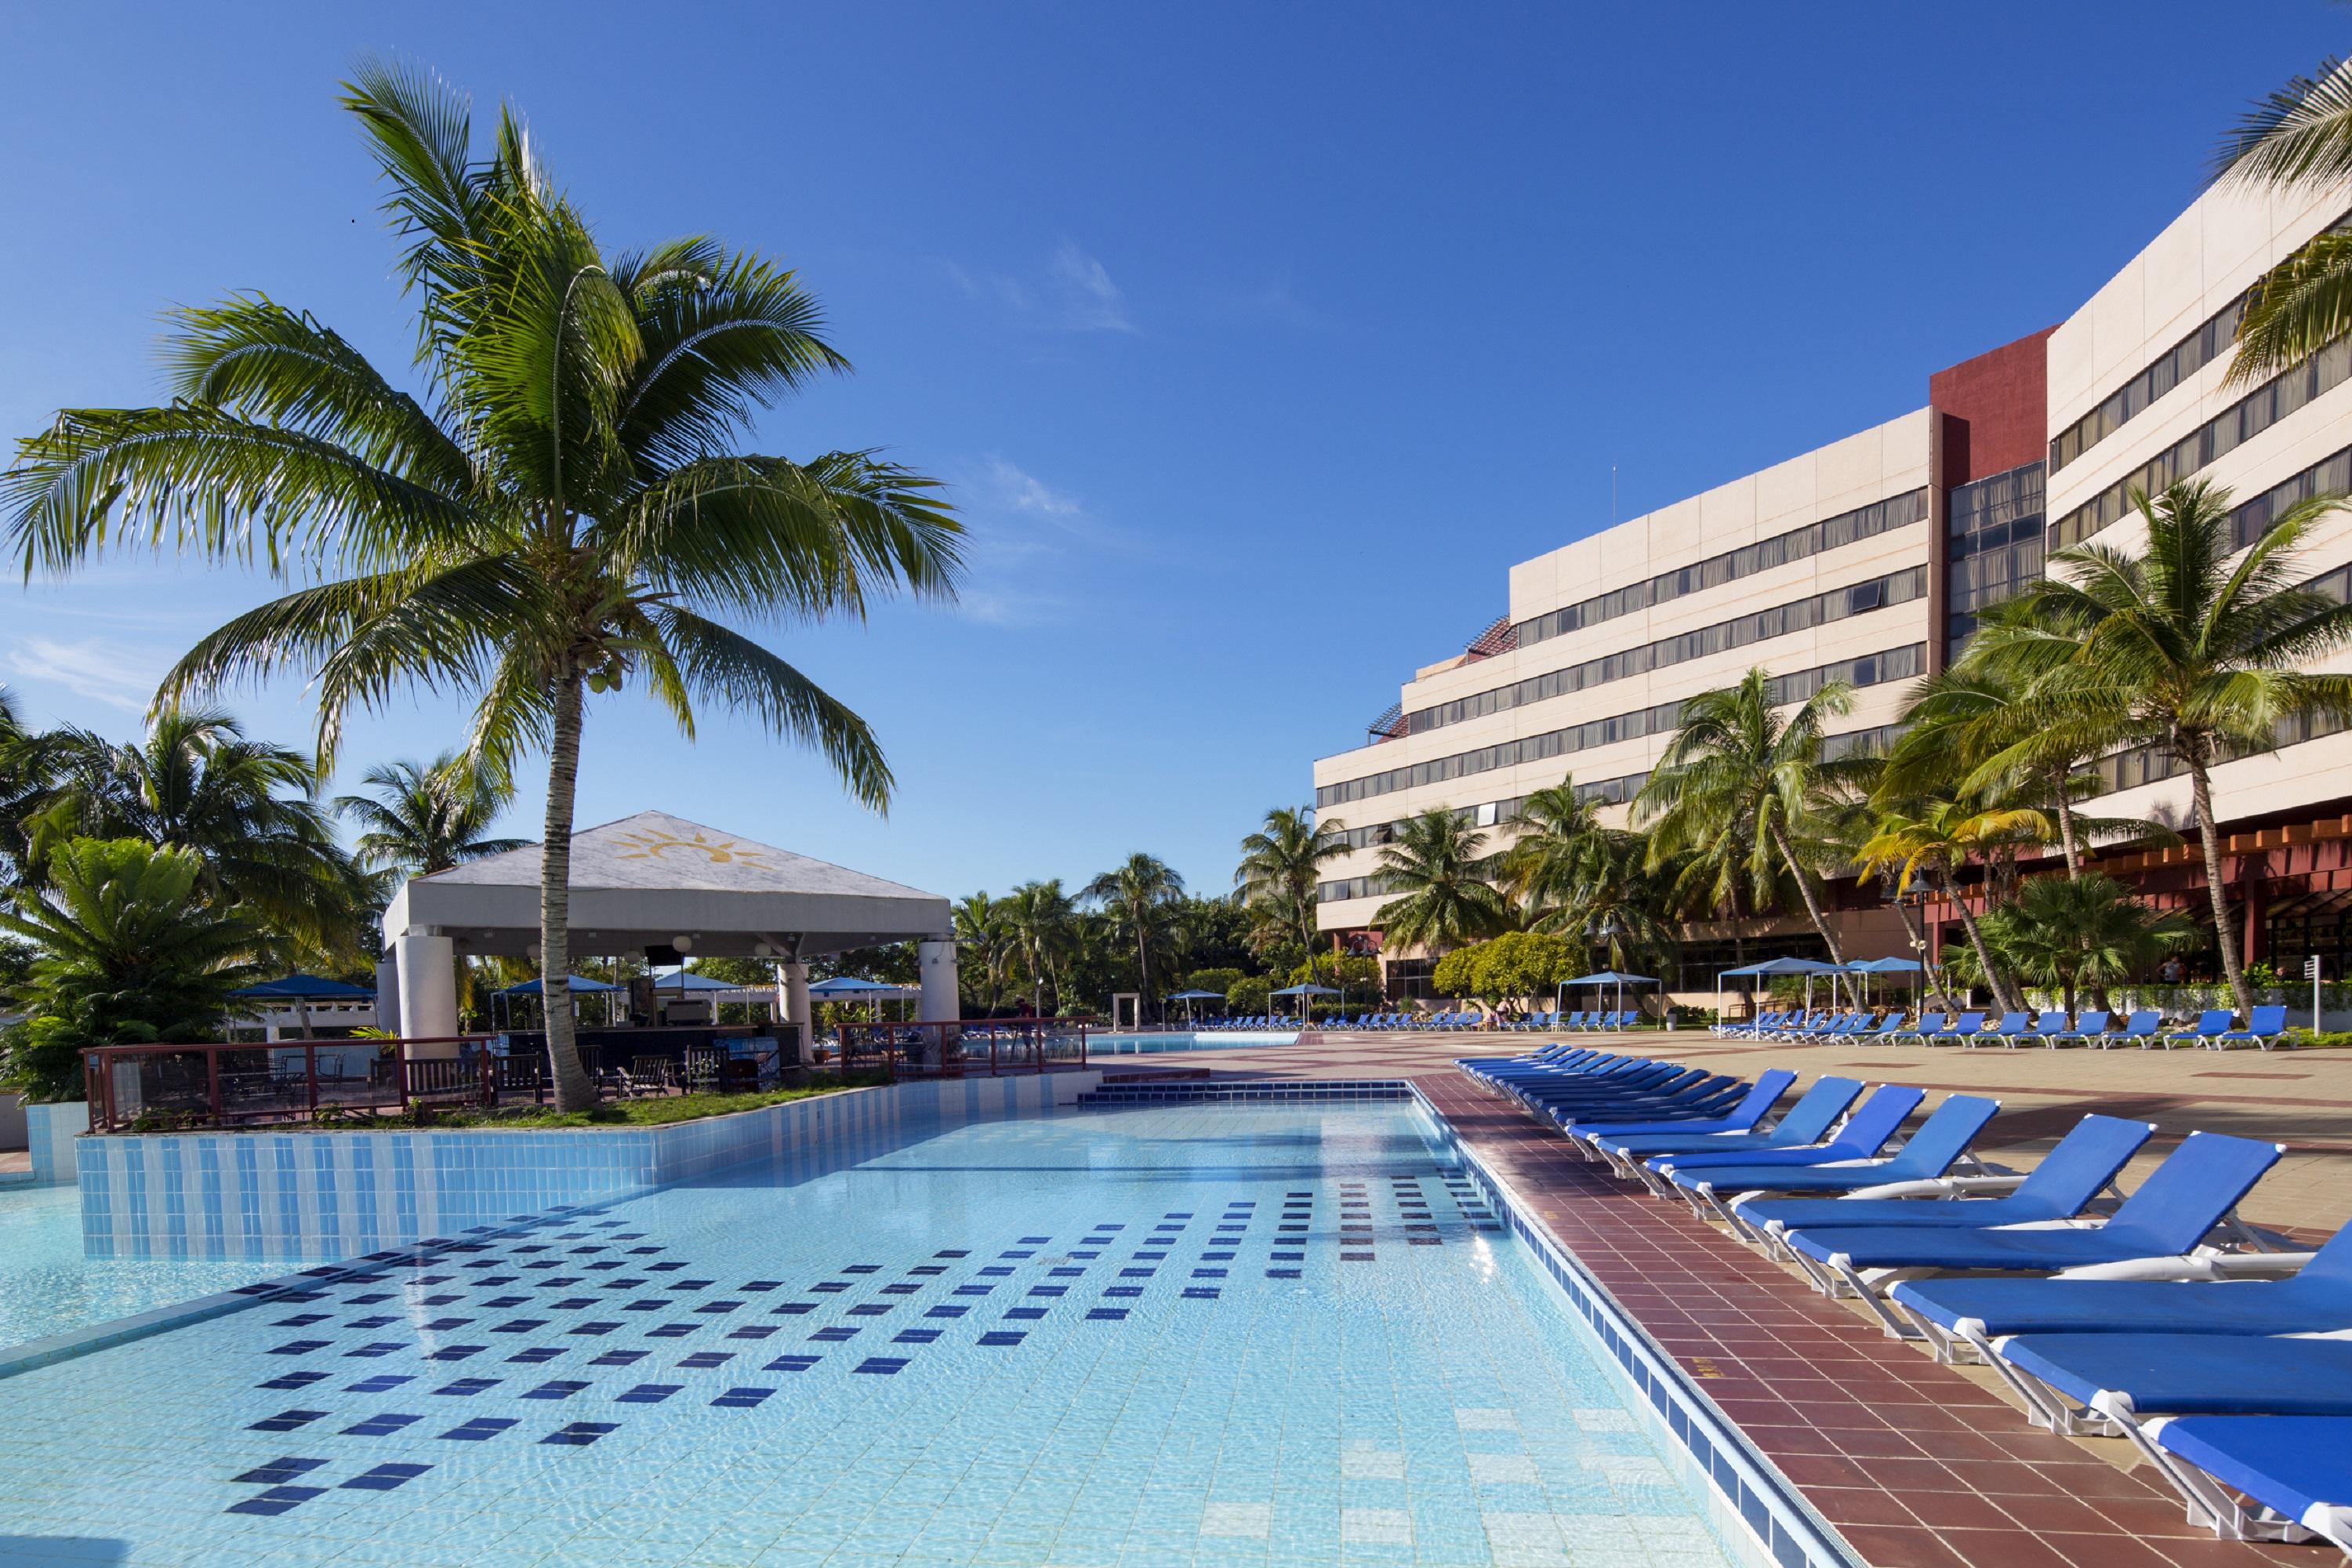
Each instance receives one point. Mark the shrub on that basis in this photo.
(1248, 995)
(129, 954)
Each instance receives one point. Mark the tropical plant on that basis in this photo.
(1737, 772)
(985, 945)
(1517, 963)
(1931, 838)
(2298, 138)
(1561, 855)
(1249, 997)
(563, 512)
(2067, 932)
(247, 808)
(426, 818)
(2199, 657)
(1281, 865)
(1141, 895)
(1039, 919)
(131, 952)
(1446, 895)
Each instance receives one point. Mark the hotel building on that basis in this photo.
(1866, 561)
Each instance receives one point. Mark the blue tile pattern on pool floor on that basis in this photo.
(1299, 1337)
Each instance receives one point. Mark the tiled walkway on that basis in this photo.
(1912, 1462)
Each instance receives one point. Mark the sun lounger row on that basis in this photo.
(2230, 1367)
(2216, 1029)
(1252, 1023)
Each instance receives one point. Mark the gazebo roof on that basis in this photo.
(642, 880)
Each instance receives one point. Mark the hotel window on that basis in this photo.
(1995, 534)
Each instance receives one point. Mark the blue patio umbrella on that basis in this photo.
(1607, 977)
(1189, 997)
(1808, 967)
(1886, 966)
(1305, 990)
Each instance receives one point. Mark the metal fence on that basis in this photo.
(958, 1048)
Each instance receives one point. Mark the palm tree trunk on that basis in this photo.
(2066, 832)
(2224, 928)
(1919, 945)
(573, 1089)
(1993, 983)
(1805, 887)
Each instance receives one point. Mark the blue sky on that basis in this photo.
(1257, 341)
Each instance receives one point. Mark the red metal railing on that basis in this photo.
(955, 1048)
(223, 1085)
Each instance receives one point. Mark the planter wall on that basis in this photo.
(329, 1195)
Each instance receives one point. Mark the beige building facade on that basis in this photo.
(1865, 560)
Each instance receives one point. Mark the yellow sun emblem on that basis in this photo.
(654, 846)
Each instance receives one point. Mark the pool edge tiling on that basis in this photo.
(1911, 1463)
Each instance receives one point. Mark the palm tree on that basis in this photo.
(1737, 772)
(131, 952)
(980, 933)
(1142, 893)
(1931, 837)
(424, 819)
(1038, 919)
(563, 512)
(2199, 657)
(2067, 932)
(1562, 850)
(1448, 898)
(2298, 138)
(247, 808)
(1281, 865)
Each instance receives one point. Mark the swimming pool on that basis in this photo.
(1200, 1334)
(48, 1287)
(1181, 1040)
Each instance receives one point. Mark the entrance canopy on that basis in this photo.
(646, 880)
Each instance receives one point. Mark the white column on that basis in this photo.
(428, 990)
(943, 991)
(797, 1009)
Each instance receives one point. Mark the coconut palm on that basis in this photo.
(562, 512)
(2298, 138)
(984, 940)
(1739, 773)
(2197, 654)
(1038, 917)
(247, 808)
(1931, 838)
(1281, 865)
(2076, 932)
(1562, 849)
(1141, 895)
(1448, 895)
(426, 818)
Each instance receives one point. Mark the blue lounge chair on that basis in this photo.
(2194, 1190)
(2083, 1165)
(2106, 1384)
(2297, 1469)
(2048, 1028)
(2212, 1024)
(1889, 1027)
(1940, 1141)
(1707, 1096)
(1807, 1122)
(1862, 1135)
(2090, 1029)
(2011, 1027)
(1741, 1117)
(2141, 1029)
(1927, 1025)
(2263, 1029)
(1961, 1315)
(1961, 1028)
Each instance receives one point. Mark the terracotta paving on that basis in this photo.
(1915, 1465)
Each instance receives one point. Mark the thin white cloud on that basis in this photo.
(1016, 489)
(93, 668)
(1092, 303)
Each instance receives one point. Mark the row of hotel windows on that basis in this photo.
(2175, 366)
(2252, 414)
(1901, 587)
(1994, 527)
(1612, 792)
(1863, 522)
(1869, 670)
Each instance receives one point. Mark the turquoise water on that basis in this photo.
(1198, 1335)
(1178, 1040)
(48, 1287)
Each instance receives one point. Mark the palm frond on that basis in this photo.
(726, 664)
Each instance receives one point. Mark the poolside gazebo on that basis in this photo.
(656, 887)
(303, 1003)
(1808, 967)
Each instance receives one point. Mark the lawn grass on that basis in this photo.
(658, 1111)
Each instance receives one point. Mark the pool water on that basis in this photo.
(48, 1287)
(1180, 1040)
(1195, 1334)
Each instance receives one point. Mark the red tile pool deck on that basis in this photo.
(1915, 1465)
